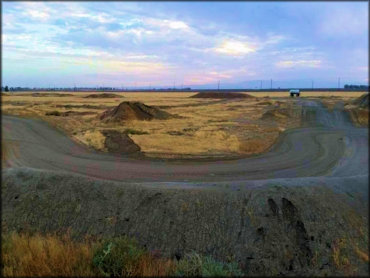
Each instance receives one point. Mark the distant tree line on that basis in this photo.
(82, 89)
(356, 87)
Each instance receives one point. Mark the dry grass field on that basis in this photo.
(204, 127)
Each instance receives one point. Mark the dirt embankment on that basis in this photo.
(104, 95)
(128, 110)
(282, 111)
(221, 95)
(272, 230)
(359, 110)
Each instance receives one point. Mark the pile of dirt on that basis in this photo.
(88, 106)
(51, 95)
(104, 95)
(117, 142)
(362, 101)
(221, 95)
(68, 113)
(129, 110)
(276, 113)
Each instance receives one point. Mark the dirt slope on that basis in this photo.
(220, 95)
(268, 230)
(128, 110)
(362, 101)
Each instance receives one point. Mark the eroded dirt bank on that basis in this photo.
(268, 230)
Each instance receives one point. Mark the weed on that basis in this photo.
(118, 257)
(196, 265)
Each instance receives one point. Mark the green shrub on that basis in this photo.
(118, 257)
(194, 264)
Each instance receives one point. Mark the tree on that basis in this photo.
(6, 89)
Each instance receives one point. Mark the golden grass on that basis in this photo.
(45, 256)
(207, 126)
(359, 116)
(93, 138)
(362, 255)
(51, 255)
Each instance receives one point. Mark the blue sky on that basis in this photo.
(184, 43)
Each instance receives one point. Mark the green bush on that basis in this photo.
(194, 264)
(118, 257)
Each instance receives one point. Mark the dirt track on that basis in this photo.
(328, 145)
(281, 212)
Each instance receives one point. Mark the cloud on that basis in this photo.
(299, 64)
(235, 48)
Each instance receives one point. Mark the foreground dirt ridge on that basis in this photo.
(269, 230)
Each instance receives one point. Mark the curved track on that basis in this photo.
(328, 145)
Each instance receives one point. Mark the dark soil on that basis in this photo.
(68, 113)
(104, 95)
(50, 95)
(121, 143)
(128, 110)
(88, 106)
(220, 95)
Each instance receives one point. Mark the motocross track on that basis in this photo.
(282, 212)
(327, 145)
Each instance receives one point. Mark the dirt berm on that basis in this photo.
(220, 95)
(362, 101)
(129, 110)
(104, 95)
(268, 230)
(359, 110)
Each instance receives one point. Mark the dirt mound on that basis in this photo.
(68, 113)
(220, 95)
(129, 110)
(51, 95)
(362, 101)
(104, 95)
(117, 142)
(276, 113)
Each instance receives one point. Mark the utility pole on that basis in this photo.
(218, 85)
(338, 82)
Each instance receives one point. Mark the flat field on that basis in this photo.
(205, 127)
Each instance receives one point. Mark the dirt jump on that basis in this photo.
(133, 111)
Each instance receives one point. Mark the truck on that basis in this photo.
(294, 93)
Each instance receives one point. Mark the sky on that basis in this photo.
(188, 44)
